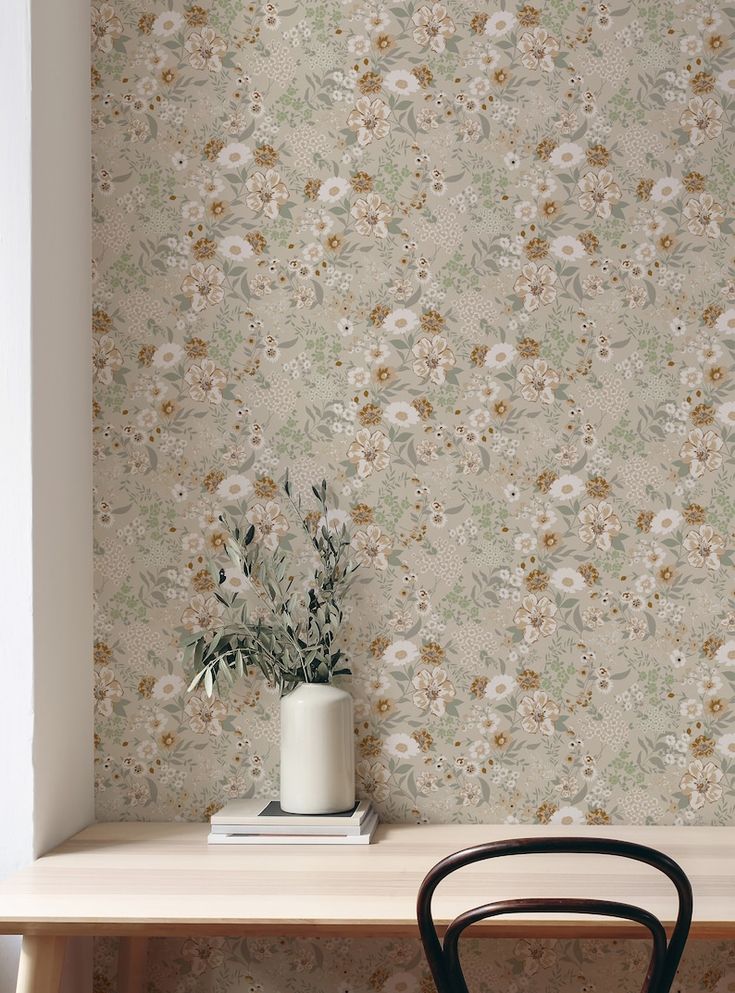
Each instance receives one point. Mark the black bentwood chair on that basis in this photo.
(444, 960)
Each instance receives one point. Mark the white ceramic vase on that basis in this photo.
(317, 750)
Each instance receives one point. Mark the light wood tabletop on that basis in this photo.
(143, 880)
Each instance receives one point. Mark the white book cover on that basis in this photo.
(300, 839)
(262, 814)
(329, 830)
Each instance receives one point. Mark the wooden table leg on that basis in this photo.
(41, 964)
(131, 964)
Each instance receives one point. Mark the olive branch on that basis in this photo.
(296, 640)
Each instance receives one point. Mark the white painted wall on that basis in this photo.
(45, 434)
(16, 591)
(62, 420)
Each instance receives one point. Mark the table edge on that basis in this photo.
(700, 930)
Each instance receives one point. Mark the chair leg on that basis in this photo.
(132, 957)
(41, 964)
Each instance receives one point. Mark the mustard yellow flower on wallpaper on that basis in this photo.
(473, 264)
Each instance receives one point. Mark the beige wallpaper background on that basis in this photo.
(473, 265)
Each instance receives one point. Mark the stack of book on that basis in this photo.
(262, 822)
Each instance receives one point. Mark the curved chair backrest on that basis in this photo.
(444, 959)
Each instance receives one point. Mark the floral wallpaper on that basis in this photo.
(473, 265)
(391, 966)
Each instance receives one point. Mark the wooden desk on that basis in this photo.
(143, 880)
